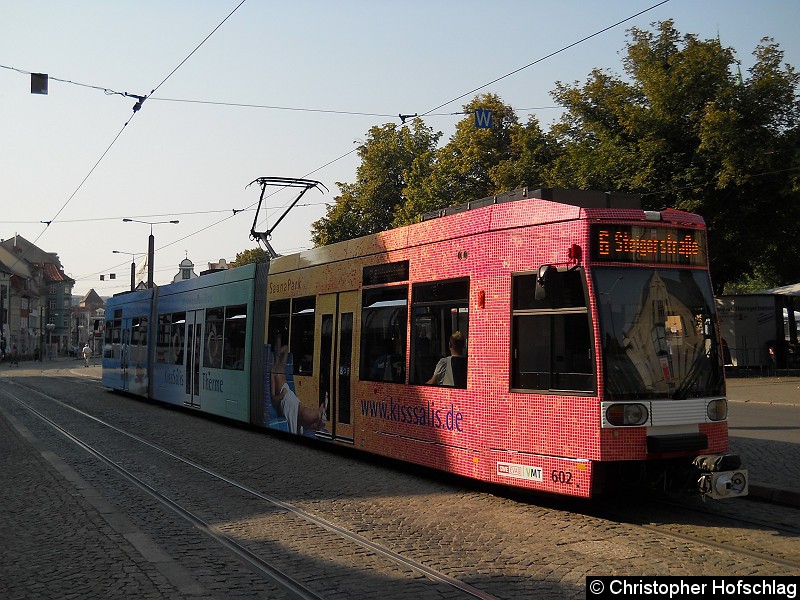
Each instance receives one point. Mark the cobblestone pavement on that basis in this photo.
(64, 536)
(60, 538)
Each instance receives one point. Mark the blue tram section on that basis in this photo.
(126, 364)
(196, 343)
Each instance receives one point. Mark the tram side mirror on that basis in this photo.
(543, 281)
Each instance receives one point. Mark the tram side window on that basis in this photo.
(438, 309)
(302, 337)
(177, 332)
(235, 337)
(135, 327)
(113, 336)
(163, 326)
(107, 337)
(278, 324)
(384, 319)
(295, 316)
(139, 331)
(551, 336)
(215, 322)
(138, 347)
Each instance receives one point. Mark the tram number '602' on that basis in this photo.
(562, 477)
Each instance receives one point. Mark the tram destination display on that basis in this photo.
(648, 244)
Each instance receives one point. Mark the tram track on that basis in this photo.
(292, 586)
(266, 568)
(722, 546)
(509, 545)
(793, 530)
(685, 522)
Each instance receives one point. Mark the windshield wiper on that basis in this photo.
(702, 365)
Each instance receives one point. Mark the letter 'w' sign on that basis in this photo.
(483, 118)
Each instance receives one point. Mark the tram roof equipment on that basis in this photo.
(580, 198)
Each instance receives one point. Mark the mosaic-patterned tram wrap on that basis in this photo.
(589, 347)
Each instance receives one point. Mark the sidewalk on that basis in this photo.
(774, 466)
(35, 367)
(772, 390)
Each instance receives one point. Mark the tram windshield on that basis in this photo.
(659, 336)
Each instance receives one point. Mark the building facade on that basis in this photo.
(185, 271)
(88, 321)
(35, 294)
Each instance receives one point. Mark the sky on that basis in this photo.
(280, 89)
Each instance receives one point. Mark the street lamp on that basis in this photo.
(151, 242)
(50, 327)
(133, 265)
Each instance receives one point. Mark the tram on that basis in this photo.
(557, 340)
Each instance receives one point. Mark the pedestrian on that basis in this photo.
(14, 356)
(87, 353)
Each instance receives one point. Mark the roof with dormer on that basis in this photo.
(91, 300)
(52, 274)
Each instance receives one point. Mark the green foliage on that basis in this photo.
(686, 131)
(461, 169)
(476, 163)
(530, 154)
(756, 281)
(388, 156)
(245, 257)
(682, 127)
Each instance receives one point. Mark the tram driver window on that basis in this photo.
(551, 335)
(439, 309)
(383, 334)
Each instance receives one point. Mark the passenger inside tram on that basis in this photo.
(451, 371)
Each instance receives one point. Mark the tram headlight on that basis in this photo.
(717, 410)
(627, 415)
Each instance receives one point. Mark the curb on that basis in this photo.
(774, 494)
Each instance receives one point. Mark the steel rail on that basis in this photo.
(317, 520)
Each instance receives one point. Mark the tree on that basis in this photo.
(687, 131)
(403, 174)
(531, 152)
(462, 170)
(367, 206)
(683, 128)
(253, 255)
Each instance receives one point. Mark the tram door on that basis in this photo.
(193, 354)
(337, 332)
(125, 353)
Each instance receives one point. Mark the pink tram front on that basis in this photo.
(591, 345)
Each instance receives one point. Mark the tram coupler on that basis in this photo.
(720, 476)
